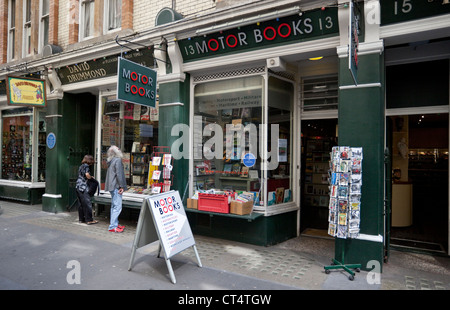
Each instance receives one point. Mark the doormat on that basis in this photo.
(417, 245)
(313, 232)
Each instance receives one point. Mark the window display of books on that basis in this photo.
(345, 178)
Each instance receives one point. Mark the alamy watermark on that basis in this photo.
(239, 140)
(74, 275)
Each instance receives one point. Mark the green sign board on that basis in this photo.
(102, 67)
(405, 10)
(291, 29)
(136, 83)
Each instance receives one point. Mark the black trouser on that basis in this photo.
(84, 207)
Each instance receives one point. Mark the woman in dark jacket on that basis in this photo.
(85, 204)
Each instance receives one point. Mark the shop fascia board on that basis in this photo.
(416, 30)
(301, 50)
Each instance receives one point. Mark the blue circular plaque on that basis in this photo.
(249, 160)
(51, 140)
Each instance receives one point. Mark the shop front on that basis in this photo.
(88, 119)
(244, 120)
(253, 89)
(417, 126)
(23, 126)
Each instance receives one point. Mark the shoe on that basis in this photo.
(92, 222)
(117, 230)
(121, 227)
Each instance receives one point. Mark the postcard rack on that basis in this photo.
(345, 178)
(161, 156)
(348, 268)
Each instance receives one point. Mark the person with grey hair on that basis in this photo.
(116, 184)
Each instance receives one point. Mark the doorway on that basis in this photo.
(419, 147)
(318, 137)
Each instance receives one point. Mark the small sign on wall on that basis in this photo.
(22, 91)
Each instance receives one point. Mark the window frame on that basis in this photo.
(82, 9)
(11, 52)
(42, 31)
(27, 25)
(106, 18)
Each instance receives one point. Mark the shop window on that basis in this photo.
(23, 145)
(42, 146)
(17, 144)
(230, 138)
(320, 94)
(279, 172)
(134, 129)
(224, 113)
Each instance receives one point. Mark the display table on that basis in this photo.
(402, 204)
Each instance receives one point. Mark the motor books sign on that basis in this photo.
(171, 222)
(284, 30)
(166, 222)
(136, 83)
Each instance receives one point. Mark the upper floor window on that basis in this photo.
(44, 19)
(87, 18)
(113, 15)
(26, 27)
(11, 29)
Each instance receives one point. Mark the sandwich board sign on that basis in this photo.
(163, 218)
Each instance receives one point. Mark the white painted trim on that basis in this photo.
(52, 195)
(360, 86)
(418, 110)
(171, 104)
(372, 238)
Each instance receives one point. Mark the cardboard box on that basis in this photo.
(192, 203)
(241, 208)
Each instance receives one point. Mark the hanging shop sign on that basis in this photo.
(280, 31)
(405, 10)
(22, 91)
(102, 67)
(353, 41)
(136, 83)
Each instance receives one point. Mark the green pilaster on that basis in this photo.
(72, 121)
(361, 124)
(174, 109)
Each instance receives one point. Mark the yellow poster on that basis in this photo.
(26, 91)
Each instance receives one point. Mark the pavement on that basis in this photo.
(47, 251)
